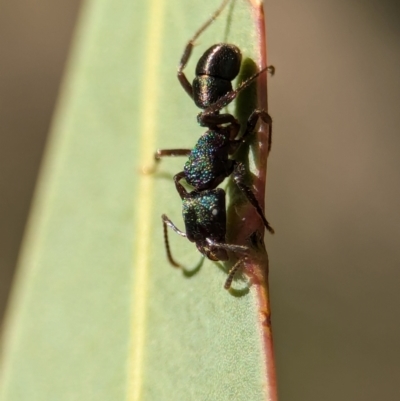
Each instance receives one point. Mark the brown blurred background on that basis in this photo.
(334, 197)
(333, 186)
(34, 41)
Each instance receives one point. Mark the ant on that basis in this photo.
(209, 162)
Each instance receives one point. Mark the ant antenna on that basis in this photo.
(231, 274)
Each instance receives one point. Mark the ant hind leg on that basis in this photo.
(189, 47)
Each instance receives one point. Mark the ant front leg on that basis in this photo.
(168, 223)
(239, 173)
(251, 124)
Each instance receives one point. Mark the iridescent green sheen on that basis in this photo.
(204, 215)
(207, 160)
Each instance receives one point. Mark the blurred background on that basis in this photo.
(333, 196)
(333, 186)
(35, 37)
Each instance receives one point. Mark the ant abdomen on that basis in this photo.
(220, 61)
(215, 70)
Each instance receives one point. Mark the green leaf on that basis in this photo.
(97, 312)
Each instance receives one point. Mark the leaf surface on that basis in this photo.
(97, 312)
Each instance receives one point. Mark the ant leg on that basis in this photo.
(170, 152)
(186, 85)
(228, 247)
(231, 274)
(189, 47)
(230, 96)
(251, 124)
(179, 187)
(238, 176)
(160, 153)
(232, 248)
(168, 223)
